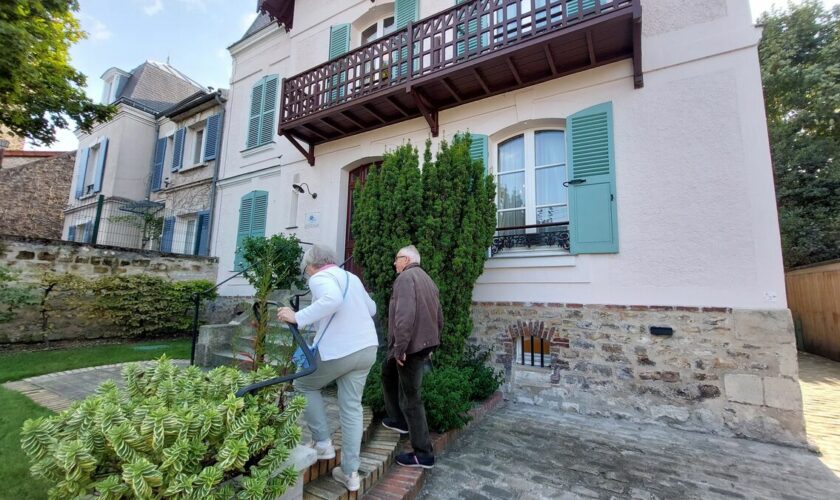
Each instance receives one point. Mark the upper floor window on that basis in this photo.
(263, 108)
(378, 29)
(198, 145)
(531, 170)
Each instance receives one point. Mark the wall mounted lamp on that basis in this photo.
(299, 189)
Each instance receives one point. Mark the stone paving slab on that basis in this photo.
(527, 452)
(819, 379)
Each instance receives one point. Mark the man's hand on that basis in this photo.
(401, 360)
(286, 314)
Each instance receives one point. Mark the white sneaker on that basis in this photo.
(351, 482)
(324, 452)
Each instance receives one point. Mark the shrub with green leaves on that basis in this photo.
(483, 379)
(446, 398)
(13, 295)
(174, 433)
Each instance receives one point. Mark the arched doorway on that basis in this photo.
(357, 176)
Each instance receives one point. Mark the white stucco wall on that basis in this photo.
(696, 208)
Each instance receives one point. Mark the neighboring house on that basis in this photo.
(11, 158)
(637, 271)
(128, 190)
(33, 194)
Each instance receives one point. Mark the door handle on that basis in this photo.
(573, 182)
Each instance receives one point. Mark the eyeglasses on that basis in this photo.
(400, 257)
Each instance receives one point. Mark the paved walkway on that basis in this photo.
(819, 379)
(527, 452)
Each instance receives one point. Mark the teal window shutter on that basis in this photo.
(405, 11)
(71, 233)
(212, 133)
(202, 237)
(168, 233)
(339, 40)
(573, 7)
(593, 220)
(254, 116)
(81, 172)
(160, 154)
(99, 170)
(87, 233)
(478, 150)
(269, 105)
(178, 149)
(253, 208)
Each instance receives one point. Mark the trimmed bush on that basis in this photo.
(483, 380)
(446, 397)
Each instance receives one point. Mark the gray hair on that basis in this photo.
(317, 256)
(411, 252)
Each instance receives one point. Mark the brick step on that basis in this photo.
(376, 456)
(325, 467)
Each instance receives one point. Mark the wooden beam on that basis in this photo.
(451, 90)
(373, 113)
(481, 81)
(307, 152)
(550, 57)
(315, 131)
(591, 47)
(430, 113)
(330, 125)
(513, 70)
(397, 105)
(355, 122)
(638, 77)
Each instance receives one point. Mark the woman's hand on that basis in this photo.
(286, 314)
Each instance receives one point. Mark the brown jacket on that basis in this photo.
(415, 318)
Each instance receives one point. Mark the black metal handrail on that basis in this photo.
(311, 367)
(558, 237)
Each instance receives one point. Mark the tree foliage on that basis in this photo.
(172, 433)
(39, 88)
(800, 68)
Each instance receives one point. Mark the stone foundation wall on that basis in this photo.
(59, 319)
(730, 372)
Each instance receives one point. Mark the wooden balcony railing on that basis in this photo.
(461, 37)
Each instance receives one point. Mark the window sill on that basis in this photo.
(291, 227)
(257, 149)
(192, 167)
(538, 257)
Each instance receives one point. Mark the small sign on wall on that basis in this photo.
(312, 219)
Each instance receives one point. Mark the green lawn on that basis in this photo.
(16, 408)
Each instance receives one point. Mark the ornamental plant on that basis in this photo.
(172, 432)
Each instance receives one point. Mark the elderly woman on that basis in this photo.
(347, 344)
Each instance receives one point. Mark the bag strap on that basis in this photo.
(343, 295)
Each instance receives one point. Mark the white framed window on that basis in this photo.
(198, 147)
(90, 167)
(378, 29)
(189, 237)
(530, 172)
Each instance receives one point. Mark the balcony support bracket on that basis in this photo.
(308, 151)
(638, 77)
(430, 113)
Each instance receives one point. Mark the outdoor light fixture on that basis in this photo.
(299, 189)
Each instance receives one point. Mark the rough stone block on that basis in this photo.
(25, 255)
(782, 393)
(46, 256)
(744, 388)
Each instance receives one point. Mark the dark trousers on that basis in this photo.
(403, 403)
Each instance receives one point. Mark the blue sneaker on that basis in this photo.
(412, 460)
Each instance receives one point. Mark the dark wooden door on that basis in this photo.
(357, 176)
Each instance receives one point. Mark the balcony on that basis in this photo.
(473, 50)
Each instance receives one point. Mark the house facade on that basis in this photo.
(144, 179)
(637, 267)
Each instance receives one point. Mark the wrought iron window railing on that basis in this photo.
(460, 33)
(552, 235)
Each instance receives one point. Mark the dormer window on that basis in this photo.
(114, 81)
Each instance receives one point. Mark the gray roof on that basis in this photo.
(259, 23)
(158, 86)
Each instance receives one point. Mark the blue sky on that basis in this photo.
(193, 34)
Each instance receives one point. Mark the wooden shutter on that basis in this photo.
(71, 233)
(258, 219)
(255, 114)
(478, 150)
(253, 209)
(178, 149)
(212, 134)
(202, 236)
(168, 233)
(593, 220)
(99, 169)
(81, 172)
(157, 173)
(269, 105)
(339, 40)
(574, 7)
(87, 233)
(405, 11)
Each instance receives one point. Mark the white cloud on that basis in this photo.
(246, 20)
(153, 8)
(195, 4)
(95, 28)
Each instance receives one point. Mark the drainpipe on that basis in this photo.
(212, 218)
(152, 169)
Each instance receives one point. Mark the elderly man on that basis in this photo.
(415, 320)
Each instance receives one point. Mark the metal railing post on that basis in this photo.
(197, 304)
(99, 202)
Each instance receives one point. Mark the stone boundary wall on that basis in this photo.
(32, 257)
(725, 371)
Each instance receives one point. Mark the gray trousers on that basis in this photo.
(350, 374)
